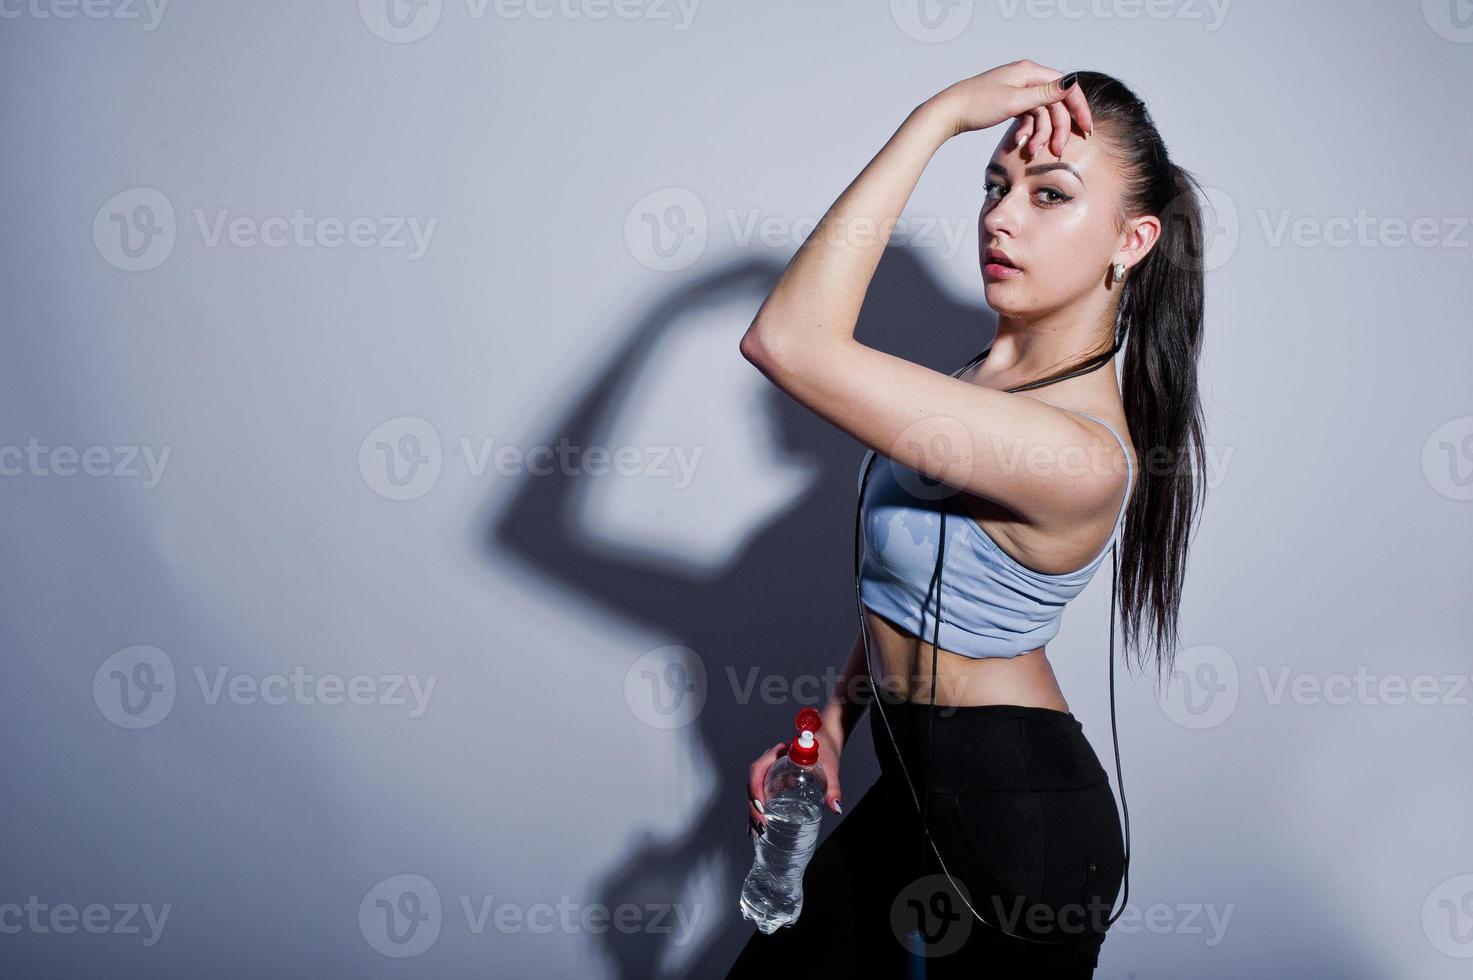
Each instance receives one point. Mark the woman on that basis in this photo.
(991, 844)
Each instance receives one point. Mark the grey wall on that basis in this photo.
(237, 453)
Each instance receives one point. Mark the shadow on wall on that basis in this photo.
(785, 607)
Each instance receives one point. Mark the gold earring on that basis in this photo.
(1119, 271)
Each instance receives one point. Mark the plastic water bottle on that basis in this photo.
(772, 895)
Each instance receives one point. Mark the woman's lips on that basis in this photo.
(997, 270)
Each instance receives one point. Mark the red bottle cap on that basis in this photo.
(803, 750)
(809, 720)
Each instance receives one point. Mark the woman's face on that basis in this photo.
(1055, 218)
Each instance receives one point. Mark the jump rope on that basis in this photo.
(923, 805)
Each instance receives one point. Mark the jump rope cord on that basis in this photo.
(922, 804)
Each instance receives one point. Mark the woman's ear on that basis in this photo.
(1141, 235)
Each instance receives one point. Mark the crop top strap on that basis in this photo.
(1129, 463)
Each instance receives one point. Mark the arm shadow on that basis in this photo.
(785, 607)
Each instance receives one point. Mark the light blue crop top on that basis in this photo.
(991, 604)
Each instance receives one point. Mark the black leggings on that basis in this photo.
(1025, 820)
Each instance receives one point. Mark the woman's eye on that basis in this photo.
(1056, 196)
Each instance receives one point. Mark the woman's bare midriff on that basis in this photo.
(1028, 678)
(905, 663)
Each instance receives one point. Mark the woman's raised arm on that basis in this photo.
(1041, 462)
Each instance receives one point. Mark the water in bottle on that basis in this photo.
(772, 895)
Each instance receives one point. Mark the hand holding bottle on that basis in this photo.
(830, 748)
(793, 793)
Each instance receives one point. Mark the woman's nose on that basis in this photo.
(1002, 216)
(997, 221)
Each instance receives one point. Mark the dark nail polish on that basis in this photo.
(1068, 80)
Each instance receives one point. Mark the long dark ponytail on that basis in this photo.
(1159, 322)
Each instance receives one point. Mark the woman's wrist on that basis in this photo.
(937, 116)
(832, 728)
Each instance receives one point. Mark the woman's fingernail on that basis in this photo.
(838, 806)
(1068, 80)
(758, 804)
